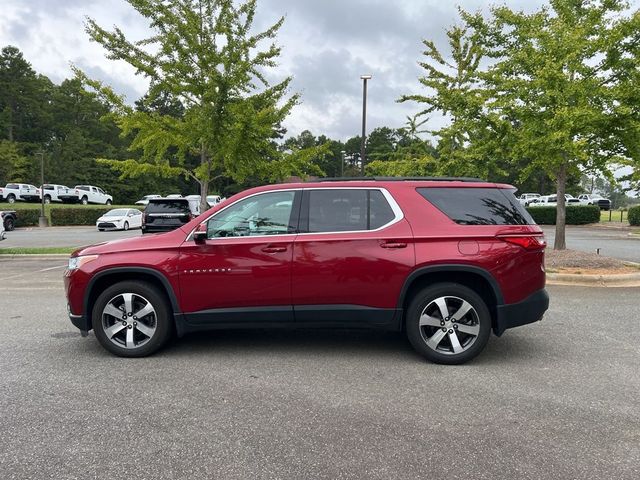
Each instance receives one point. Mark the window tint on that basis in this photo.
(335, 210)
(48, 187)
(12, 186)
(478, 206)
(168, 206)
(265, 214)
(82, 187)
(343, 210)
(379, 210)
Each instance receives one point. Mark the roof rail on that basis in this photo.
(400, 179)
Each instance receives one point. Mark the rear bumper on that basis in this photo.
(529, 310)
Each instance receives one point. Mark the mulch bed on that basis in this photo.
(573, 261)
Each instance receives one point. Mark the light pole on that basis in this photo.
(342, 154)
(42, 220)
(364, 78)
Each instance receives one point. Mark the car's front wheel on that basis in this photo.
(448, 323)
(125, 227)
(9, 224)
(132, 319)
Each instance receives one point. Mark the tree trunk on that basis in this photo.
(560, 242)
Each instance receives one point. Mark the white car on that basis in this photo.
(146, 198)
(213, 200)
(19, 191)
(174, 195)
(526, 198)
(86, 194)
(120, 219)
(51, 192)
(552, 201)
(595, 199)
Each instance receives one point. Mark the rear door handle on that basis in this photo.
(274, 249)
(393, 245)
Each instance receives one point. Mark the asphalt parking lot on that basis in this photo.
(557, 399)
(612, 242)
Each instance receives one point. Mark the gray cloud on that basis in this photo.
(326, 44)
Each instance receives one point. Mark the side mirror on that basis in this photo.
(200, 235)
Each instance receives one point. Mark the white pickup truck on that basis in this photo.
(19, 191)
(85, 194)
(51, 192)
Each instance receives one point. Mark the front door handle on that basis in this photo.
(274, 249)
(393, 245)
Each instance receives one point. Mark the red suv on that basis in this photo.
(446, 260)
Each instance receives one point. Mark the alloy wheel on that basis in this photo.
(129, 320)
(449, 325)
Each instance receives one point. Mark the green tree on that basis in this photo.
(455, 90)
(555, 78)
(24, 99)
(204, 54)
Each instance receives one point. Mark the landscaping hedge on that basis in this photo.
(27, 218)
(576, 214)
(76, 216)
(634, 216)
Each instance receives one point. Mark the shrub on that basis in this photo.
(77, 216)
(634, 216)
(27, 218)
(576, 214)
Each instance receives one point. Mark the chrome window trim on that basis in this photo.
(397, 211)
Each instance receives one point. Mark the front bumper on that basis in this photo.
(529, 310)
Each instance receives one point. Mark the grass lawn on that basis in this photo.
(36, 250)
(615, 216)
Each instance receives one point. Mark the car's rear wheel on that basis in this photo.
(9, 224)
(84, 201)
(47, 199)
(126, 226)
(448, 323)
(11, 198)
(108, 202)
(132, 319)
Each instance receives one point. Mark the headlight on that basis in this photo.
(77, 262)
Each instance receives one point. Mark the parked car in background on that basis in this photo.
(25, 192)
(120, 219)
(166, 214)
(174, 195)
(526, 198)
(8, 219)
(213, 200)
(595, 199)
(52, 192)
(445, 261)
(86, 194)
(145, 200)
(552, 201)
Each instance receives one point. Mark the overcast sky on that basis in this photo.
(327, 45)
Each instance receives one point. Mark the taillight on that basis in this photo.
(528, 242)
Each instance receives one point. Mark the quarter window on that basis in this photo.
(264, 214)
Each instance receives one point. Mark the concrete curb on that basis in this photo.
(619, 280)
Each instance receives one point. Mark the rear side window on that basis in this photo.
(168, 206)
(478, 206)
(13, 186)
(345, 210)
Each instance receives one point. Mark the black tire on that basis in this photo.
(125, 226)
(84, 201)
(101, 229)
(163, 318)
(11, 198)
(479, 318)
(47, 199)
(108, 202)
(9, 224)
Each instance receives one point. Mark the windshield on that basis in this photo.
(120, 212)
